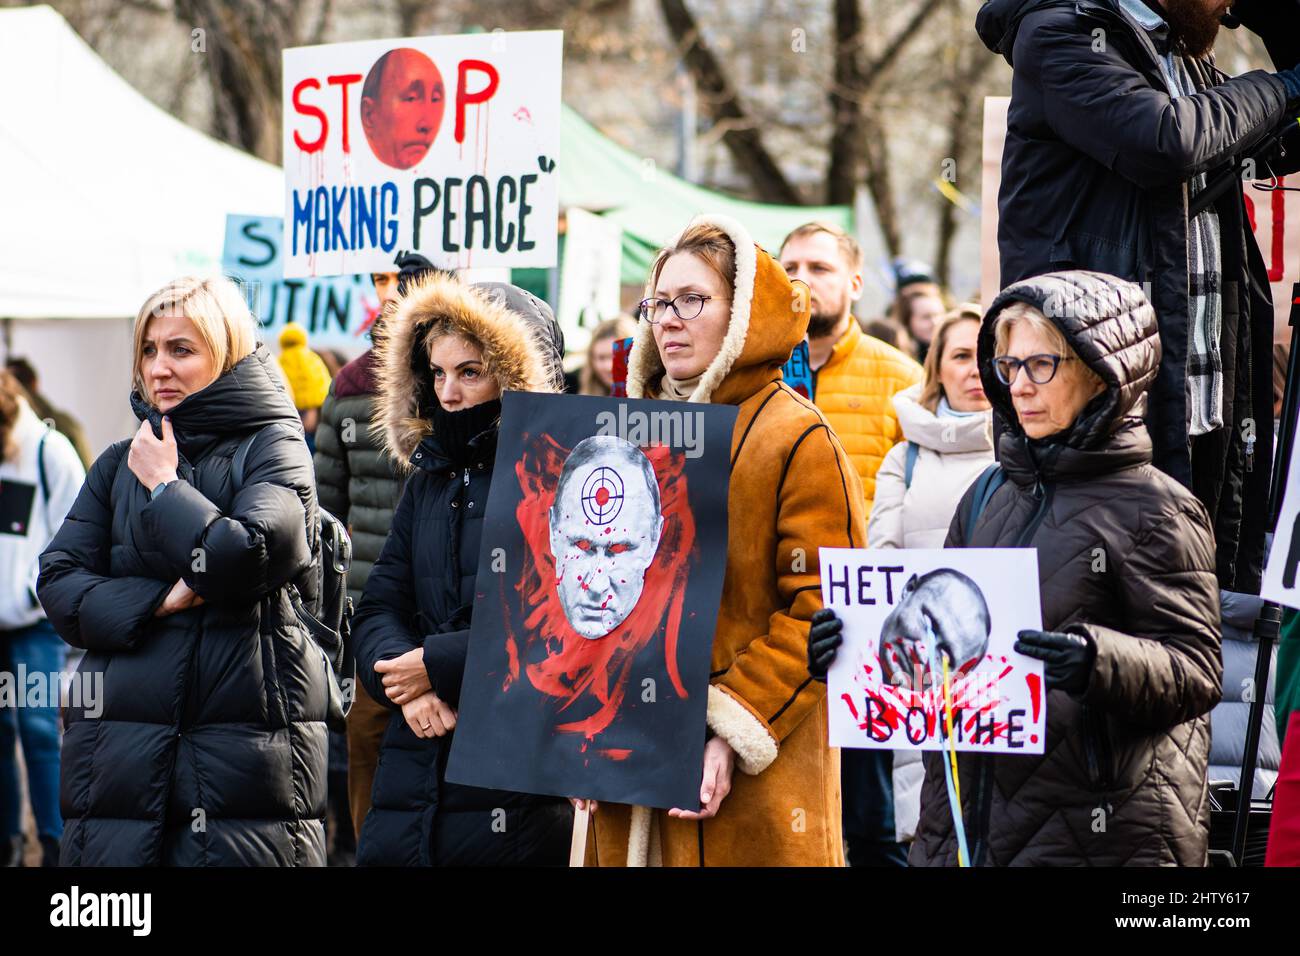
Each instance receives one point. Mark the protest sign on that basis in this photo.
(1279, 583)
(602, 559)
(797, 372)
(446, 146)
(335, 312)
(1274, 214)
(907, 614)
(589, 276)
(622, 352)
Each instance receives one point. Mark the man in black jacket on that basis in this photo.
(1120, 134)
(360, 486)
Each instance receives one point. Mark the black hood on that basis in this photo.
(998, 21)
(1111, 326)
(248, 397)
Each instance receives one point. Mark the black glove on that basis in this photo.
(824, 640)
(1067, 658)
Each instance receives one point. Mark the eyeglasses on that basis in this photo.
(687, 306)
(1041, 368)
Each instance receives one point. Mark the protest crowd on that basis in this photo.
(1116, 409)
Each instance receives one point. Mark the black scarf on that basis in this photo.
(455, 432)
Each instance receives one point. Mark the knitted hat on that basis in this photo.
(304, 370)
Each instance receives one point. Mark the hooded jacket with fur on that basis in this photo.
(420, 593)
(793, 490)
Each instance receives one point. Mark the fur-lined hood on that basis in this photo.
(769, 317)
(521, 343)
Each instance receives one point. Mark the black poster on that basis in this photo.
(601, 568)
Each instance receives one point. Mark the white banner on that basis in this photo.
(446, 146)
(589, 275)
(908, 612)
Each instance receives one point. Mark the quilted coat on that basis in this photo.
(360, 485)
(208, 747)
(792, 491)
(951, 452)
(1125, 556)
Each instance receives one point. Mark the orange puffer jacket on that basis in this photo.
(855, 391)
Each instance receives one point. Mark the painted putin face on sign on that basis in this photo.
(402, 103)
(605, 531)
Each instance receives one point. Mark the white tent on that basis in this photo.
(104, 198)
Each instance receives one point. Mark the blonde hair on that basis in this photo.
(619, 327)
(218, 311)
(1019, 312)
(933, 387)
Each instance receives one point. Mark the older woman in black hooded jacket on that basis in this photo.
(1130, 602)
(205, 743)
(448, 352)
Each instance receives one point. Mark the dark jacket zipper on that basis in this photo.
(983, 805)
(1096, 747)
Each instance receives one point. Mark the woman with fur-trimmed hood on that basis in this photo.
(720, 320)
(449, 351)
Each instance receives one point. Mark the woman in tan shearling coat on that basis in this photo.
(770, 782)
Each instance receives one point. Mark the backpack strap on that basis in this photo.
(913, 452)
(44, 477)
(240, 461)
(986, 485)
(40, 465)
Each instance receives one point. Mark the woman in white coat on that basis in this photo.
(946, 421)
(948, 442)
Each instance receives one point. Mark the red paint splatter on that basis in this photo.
(1035, 694)
(575, 669)
(848, 699)
(973, 693)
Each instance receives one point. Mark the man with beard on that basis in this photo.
(1126, 153)
(855, 378)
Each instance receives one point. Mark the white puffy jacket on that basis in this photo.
(28, 534)
(951, 453)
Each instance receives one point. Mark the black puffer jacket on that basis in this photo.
(211, 746)
(421, 590)
(1095, 176)
(1125, 555)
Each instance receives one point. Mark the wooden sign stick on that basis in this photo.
(578, 848)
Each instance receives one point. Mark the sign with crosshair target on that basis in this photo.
(587, 669)
(602, 495)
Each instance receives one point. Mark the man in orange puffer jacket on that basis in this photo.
(855, 376)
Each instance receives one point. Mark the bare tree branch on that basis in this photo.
(963, 132)
(721, 99)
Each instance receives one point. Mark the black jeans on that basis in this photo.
(867, 785)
